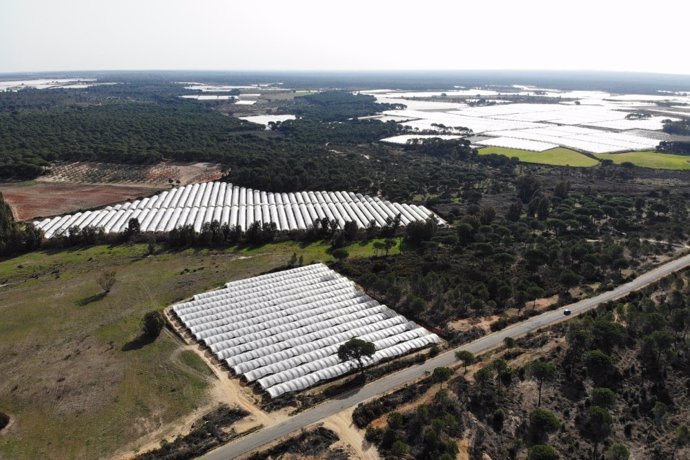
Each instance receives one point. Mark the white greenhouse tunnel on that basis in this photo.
(283, 330)
(225, 203)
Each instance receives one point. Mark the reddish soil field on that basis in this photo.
(30, 200)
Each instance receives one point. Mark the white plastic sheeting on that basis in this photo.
(282, 330)
(199, 204)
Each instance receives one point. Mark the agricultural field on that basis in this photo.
(239, 207)
(30, 200)
(649, 159)
(76, 381)
(589, 121)
(559, 156)
(159, 175)
(282, 330)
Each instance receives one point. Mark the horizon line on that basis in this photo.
(360, 71)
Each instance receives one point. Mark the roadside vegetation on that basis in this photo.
(549, 243)
(614, 385)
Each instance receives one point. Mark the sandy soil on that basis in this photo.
(463, 449)
(32, 200)
(468, 323)
(224, 389)
(351, 436)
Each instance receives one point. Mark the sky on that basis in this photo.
(607, 35)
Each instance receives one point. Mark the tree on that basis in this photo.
(441, 374)
(487, 215)
(152, 324)
(683, 436)
(465, 233)
(535, 257)
(534, 292)
(389, 244)
(504, 259)
(569, 278)
(418, 231)
(526, 187)
(514, 211)
(542, 452)
(133, 227)
(350, 230)
(597, 426)
(340, 254)
(603, 397)
(543, 207)
(399, 448)
(617, 451)
(542, 372)
(599, 365)
(503, 372)
(562, 188)
(466, 357)
(106, 280)
(607, 334)
(356, 350)
(483, 376)
(542, 422)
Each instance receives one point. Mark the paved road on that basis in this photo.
(302, 420)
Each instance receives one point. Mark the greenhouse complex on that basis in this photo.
(283, 330)
(203, 203)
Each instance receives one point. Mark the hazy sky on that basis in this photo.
(632, 35)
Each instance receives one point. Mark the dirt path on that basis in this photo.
(351, 436)
(223, 390)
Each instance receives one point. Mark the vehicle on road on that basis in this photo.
(567, 312)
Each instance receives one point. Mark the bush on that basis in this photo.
(542, 452)
(441, 374)
(152, 324)
(106, 280)
(603, 397)
(541, 423)
(399, 448)
(374, 435)
(617, 452)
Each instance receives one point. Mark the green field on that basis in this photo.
(559, 156)
(649, 159)
(68, 384)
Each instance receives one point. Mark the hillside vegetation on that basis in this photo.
(616, 387)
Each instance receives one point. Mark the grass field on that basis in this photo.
(556, 157)
(70, 382)
(649, 159)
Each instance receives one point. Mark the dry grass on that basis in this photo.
(69, 386)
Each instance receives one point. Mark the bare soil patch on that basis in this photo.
(161, 174)
(32, 200)
(351, 437)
